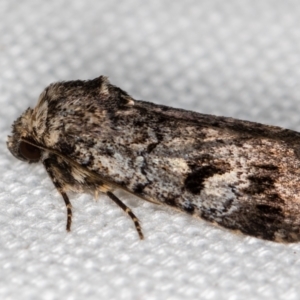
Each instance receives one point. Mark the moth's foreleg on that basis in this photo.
(50, 168)
(128, 211)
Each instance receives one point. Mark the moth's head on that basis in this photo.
(20, 144)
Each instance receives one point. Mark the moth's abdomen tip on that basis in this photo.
(287, 237)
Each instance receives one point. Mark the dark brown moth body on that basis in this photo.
(92, 136)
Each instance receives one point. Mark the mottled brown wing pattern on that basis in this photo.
(92, 136)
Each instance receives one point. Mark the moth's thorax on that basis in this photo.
(63, 111)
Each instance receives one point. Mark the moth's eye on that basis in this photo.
(29, 152)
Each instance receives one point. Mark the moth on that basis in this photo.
(91, 136)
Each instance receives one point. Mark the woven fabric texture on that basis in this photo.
(232, 58)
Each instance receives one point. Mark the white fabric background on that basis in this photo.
(233, 58)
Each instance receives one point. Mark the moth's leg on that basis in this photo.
(52, 172)
(128, 211)
(69, 210)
